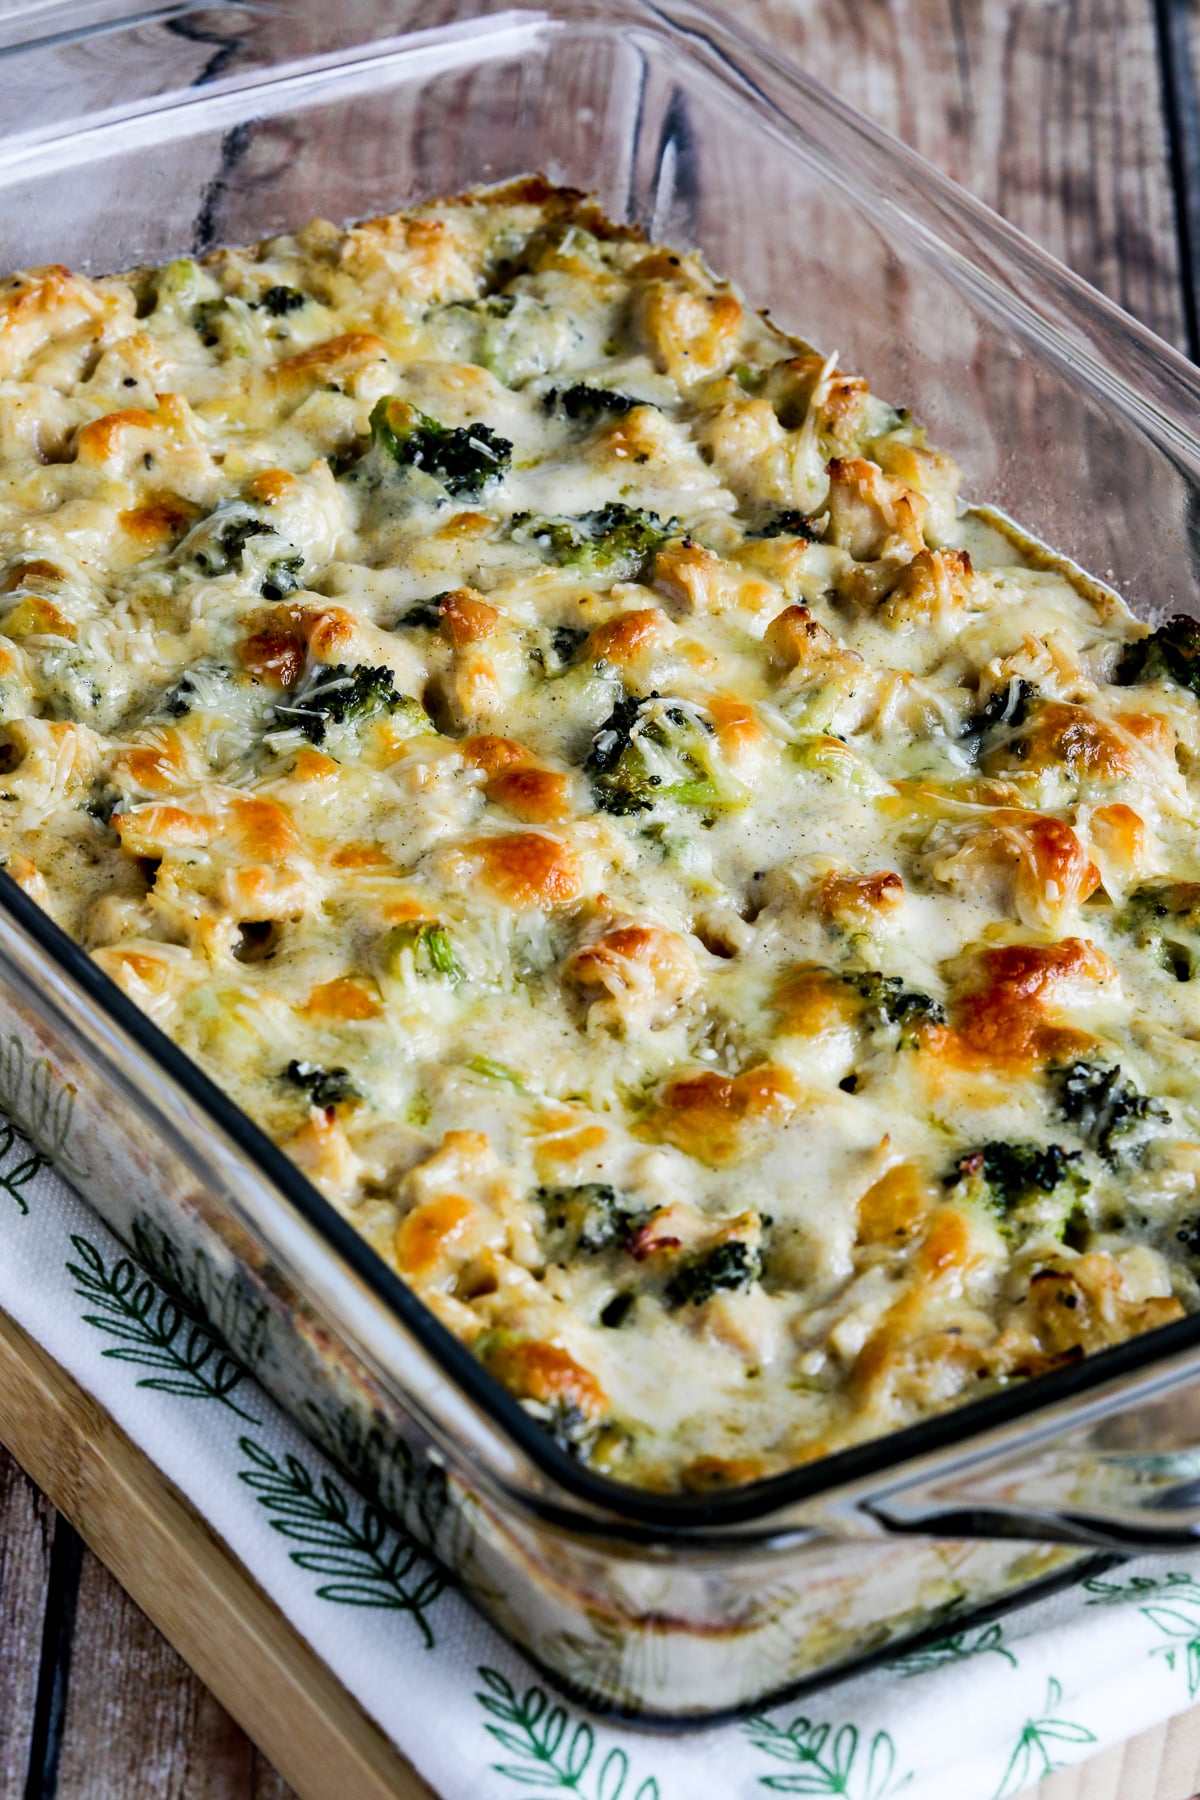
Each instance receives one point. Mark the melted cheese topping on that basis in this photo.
(715, 914)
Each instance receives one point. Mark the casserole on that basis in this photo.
(635, 1600)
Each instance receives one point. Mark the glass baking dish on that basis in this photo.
(249, 118)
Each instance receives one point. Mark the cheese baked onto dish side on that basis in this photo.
(717, 915)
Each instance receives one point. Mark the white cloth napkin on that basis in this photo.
(982, 1716)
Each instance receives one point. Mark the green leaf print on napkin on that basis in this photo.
(35, 1119)
(154, 1332)
(19, 1163)
(827, 1761)
(372, 1563)
(36, 1107)
(1173, 1608)
(987, 1640)
(548, 1756)
(1034, 1756)
(224, 1303)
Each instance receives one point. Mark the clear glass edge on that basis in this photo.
(1071, 323)
(837, 1494)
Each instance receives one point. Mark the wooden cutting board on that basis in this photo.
(191, 1585)
(210, 1607)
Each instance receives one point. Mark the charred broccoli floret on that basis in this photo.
(656, 750)
(616, 540)
(324, 1087)
(1108, 1111)
(585, 1220)
(340, 696)
(586, 404)
(279, 300)
(888, 998)
(1173, 651)
(1005, 705)
(464, 458)
(788, 523)
(729, 1267)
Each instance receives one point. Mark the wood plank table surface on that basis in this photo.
(1079, 121)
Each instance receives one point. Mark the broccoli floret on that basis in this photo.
(586, 404)
(617, 1310)
(423, 615)
(430, 946)
(570, 1427)
(1032, 1188)
(203, 687)
(281, 576)
(616, 540)
(585, 1220)
(1188, 1234)
(464, 458)
(180, 697)
(1015, 1171)
(1110, 1113)
(566, 641)
(788, 523)
(1159, 918)
(177, 282)
(234, 538)
(224, 549)
(906, 1007)
(218, 545)
(612, 740)
(1173, 651)
(730, 1266)
(208, 323)
(279, 300)
(204, 317)
(103, 804)
(226, 321)
(324, 1087)
(654, 750)
(488, 306)
(1003, 706)
(340, 696)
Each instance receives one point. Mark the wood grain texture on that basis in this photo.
(137, 1719)
(1051, 113)
(26, 1523)
(200, 1597)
